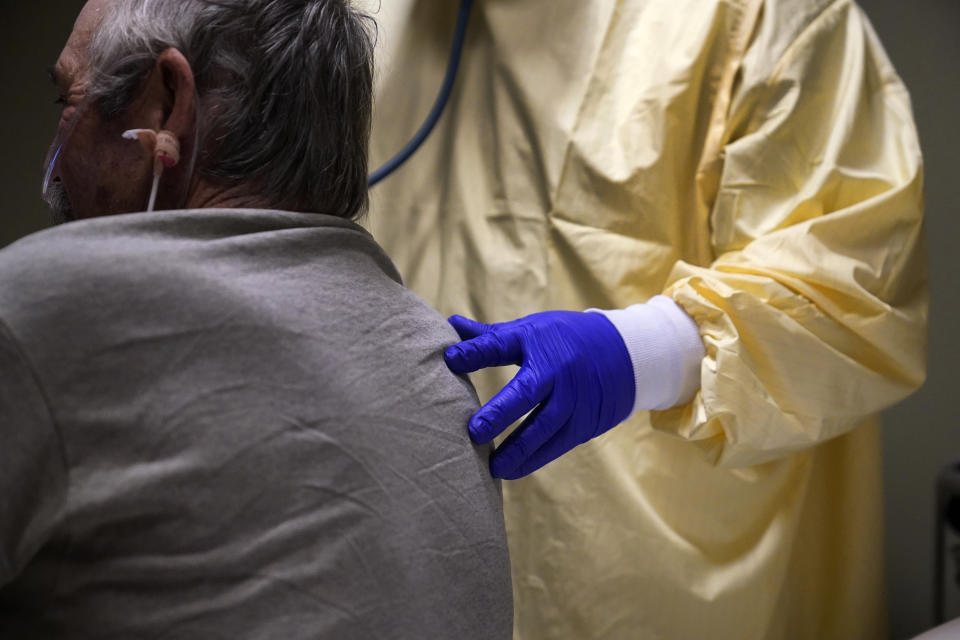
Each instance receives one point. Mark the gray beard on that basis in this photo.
(56, 199)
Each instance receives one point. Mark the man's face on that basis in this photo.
(97, 172)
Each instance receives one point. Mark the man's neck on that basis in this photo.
(204, 195)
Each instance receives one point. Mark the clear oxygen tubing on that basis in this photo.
(463, 19)
(64, 132)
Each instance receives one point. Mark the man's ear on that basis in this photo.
(168, 102)
(180, 104)
(169, 97)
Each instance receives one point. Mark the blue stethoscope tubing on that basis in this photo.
(394, 163)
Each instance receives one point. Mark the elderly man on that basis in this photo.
(230, 420)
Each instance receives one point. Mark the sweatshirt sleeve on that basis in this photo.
(814, 312)
(33, 476)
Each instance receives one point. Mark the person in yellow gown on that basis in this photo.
(747, 167)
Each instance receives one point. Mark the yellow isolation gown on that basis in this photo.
(758, 162)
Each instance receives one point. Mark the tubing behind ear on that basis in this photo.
(165, 149)
(162, 145)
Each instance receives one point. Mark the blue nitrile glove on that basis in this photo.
(575, 374)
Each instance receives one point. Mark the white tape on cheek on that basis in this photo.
(146, 136)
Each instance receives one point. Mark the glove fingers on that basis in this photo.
(539, 427)
(467, 328)
(496, 348)
(562, 442)
(511, 403)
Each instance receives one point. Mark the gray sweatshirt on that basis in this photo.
(235, 424)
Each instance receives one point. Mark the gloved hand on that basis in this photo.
(575, 373)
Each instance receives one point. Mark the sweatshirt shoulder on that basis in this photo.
(54, 262)
(59, 277)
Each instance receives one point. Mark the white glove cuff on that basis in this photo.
(665, 348)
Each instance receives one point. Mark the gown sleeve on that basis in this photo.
(814, 310)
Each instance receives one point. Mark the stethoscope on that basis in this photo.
(438, 106)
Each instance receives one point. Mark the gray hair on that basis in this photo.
(284, 87)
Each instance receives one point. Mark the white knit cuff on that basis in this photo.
(665, 348)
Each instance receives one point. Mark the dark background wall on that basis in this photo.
(32, 33)
(923, 39)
